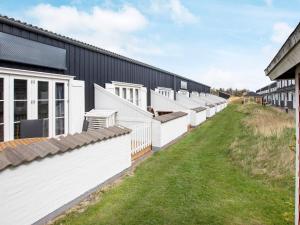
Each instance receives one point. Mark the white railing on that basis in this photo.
(140, 136)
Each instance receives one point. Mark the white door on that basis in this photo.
(23, 98)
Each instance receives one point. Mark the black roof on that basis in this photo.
(30, 27)
(272, 85)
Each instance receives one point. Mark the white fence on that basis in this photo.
(141, 136)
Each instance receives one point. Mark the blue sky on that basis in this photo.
(219, 43)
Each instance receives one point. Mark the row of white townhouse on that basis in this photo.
(41, 179)
(74, 117)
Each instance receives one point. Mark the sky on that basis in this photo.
(224, 44)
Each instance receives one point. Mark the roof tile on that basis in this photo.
(26, 153)
(170, 116)
(199, 109)
(4, 162)
(14, 157)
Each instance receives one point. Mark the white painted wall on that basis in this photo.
(126, 110)
(200, 117)
(76, 106)
(143, 98)
(31, 191)
(162, 103)
(164, 133)
(196, 118)
(186, 101)
(210, 112)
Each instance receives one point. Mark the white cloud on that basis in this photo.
(281, 31)
(180, 13)
(220, 77)
(269, 2)
(234, 69)
(110, 29)
(177, 11)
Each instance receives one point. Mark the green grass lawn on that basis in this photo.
(194, 181)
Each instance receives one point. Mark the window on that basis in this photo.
(1, 110)
(124, 93)
(137, 97)
(43, 104)
(183, 84)
(117, 91)
(20, 105)
(59, 108)
(131, 95)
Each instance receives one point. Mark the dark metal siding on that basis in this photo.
(95, 67)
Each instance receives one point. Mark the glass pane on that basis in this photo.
(20, 110)
(1, 111)
(43, 109)
(1, 133)
(59, 126)
(1, 88)
(20, 89)
(124, 93)
(137, 97)
(46, 128)
(117, 91)
(17, 130)
(42, 90)
(60, 108)
(59, 91)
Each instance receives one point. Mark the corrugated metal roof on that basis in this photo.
(20, 154)
(170, 116)
(30, 27)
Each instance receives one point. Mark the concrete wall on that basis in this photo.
(164, 133)
(32, 191)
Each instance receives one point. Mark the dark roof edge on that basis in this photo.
(269, 85)
(29, 27)
(280, 54)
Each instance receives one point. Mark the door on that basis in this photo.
(23, 98)
(60, 108)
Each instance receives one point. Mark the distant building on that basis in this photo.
(280, 93)
(224, 95)
(252, 97)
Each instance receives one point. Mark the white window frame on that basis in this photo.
(32, 78)
(126, 88)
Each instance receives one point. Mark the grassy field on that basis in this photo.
(218, 174)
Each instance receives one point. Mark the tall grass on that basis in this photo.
(264, 147)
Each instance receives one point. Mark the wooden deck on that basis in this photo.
(25, 141)
(141, 153)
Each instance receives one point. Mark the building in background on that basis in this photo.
(251, 96)
(50, 77)
(280, 93)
